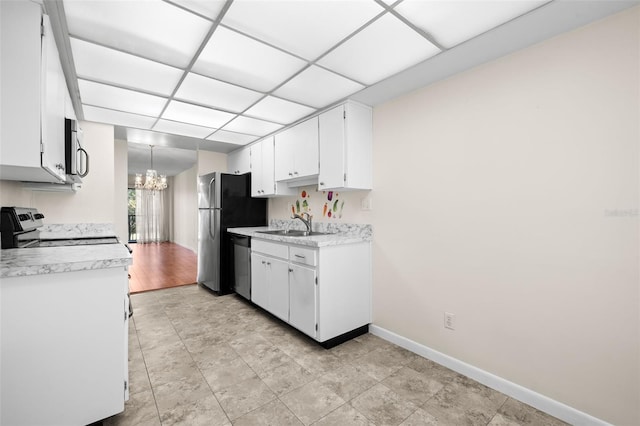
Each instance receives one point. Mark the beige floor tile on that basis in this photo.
(350, 350)
(413, 386)
(346, 415)
(228, 374)
(348, 381)
(465, 402)
(139, 410)
(172, 395)
(312, 401)
(379, 363)
(499, 420)
(275, 413)
(204, 411)
(383, 406)
(139, 381)
(433, 370)
(265, 358)
(421, 418)
(214, 356)
(244, 397)
(286, 377)
(527, 415)
(319, 361)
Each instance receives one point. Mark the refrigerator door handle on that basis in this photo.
(212, 223)
(212, 201)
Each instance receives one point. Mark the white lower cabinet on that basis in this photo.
(324, 292)
(64, 347)
(302, 299)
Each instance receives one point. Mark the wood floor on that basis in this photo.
(161, 265)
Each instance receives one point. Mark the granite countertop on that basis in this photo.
(347, 234)
(48, 260)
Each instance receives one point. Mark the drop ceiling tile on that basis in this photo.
(218, 94)
(382, 49)
(251, 126)
(209, 8)
(232, 137)
(237, 59)
(279, 110)
(306, 28)
(176, 128)
(102, 115)
(152, 29)
(193, 114)
(103, 95)
(318, 87)
(101, 63)
(452, 22)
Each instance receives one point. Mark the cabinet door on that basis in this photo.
(302, 299)
(259, 280)
(284, 152)
(239, 161)
(256, 169)
(278, 288)
(306, 149)
(332, 152)
(268, 186)
(53, 104)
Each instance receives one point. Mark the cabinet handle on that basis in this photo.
(268, 263)
(263, 262)
(321, 183)
(301, 257)
(290, 270)
(290, 174)
(295, 173)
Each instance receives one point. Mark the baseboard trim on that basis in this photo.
(528, 396)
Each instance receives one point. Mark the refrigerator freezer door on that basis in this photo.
(209, 248)
(207, 190)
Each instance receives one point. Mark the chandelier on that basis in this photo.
(152, 181)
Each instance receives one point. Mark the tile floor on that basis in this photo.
(199, 359)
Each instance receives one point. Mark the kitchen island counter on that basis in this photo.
(48, 260)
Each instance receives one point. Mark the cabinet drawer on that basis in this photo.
(303, 255)
(272, 249)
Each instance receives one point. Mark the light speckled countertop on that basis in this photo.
(344, 234)
(48, 260)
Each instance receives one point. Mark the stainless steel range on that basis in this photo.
(20, 228)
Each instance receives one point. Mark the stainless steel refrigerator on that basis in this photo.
(224, 201)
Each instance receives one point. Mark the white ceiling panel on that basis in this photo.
(232, 57)
(279, 110)
(452, 22)
(176, 128)
(384, 48)
(200, 116)
(102, 115)
(152, 28)
(251, 126)
(101, 63)
(103, 95)
(208, 91)
(317, 87)
(232, 137)
(306, 28)
(209, 8)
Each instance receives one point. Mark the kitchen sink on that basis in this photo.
(292, 233)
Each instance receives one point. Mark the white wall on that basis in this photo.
(211, 162)
(508, 195)
(120, 204)
(185, 208)
(94, 203)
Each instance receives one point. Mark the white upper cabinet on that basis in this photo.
(33, 95)
(239, 161)
(296, 151)
(346, 143)
(262, 173)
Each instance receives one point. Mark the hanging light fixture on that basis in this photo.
(152, 180)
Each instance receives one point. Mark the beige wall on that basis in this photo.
(95, 202)
(211, 162)
(185, 208)
(508, 195)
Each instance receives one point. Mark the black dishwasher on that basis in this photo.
(242, 265)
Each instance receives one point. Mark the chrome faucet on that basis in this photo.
(306, 222)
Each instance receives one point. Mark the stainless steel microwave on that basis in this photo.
(76, 158)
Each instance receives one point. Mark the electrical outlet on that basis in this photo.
(365, 203)
(450, 320)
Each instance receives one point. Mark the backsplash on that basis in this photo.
(76, 230)
(325, 206)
